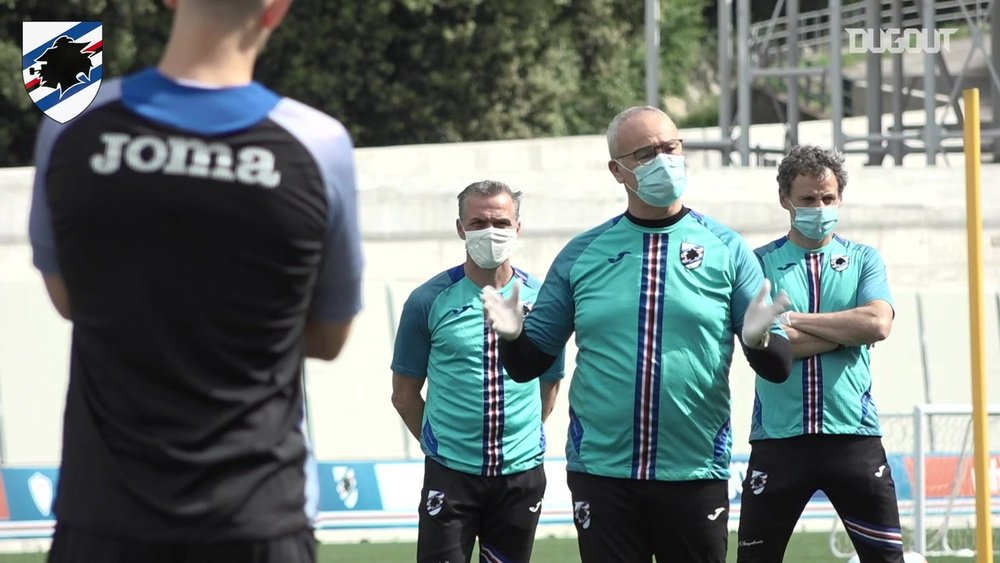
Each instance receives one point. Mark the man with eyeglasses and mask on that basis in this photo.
(819, 430)
(655, 296)
(481, 432)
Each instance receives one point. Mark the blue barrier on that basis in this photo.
(357, 495)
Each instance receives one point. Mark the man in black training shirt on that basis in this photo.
(200, 232)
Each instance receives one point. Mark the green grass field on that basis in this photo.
(803, 548)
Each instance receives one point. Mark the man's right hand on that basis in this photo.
(761, 315)
(504, 314)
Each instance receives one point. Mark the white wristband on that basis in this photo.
(785, 318)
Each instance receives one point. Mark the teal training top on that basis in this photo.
(477, 420)
(829, 393)
(654, 311)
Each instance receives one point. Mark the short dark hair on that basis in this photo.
(811, 161)
(488, 188)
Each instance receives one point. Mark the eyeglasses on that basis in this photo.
(646, 154)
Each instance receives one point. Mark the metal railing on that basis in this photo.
(797, 60)
(769, 40)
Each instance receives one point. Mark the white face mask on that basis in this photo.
(490, 247)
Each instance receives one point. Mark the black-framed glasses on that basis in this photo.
(642, 155)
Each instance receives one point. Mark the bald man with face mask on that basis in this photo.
(658, 297)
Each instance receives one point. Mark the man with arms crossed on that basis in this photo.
(200, 232)
(655, 297)
(820, 430)
(481, 432)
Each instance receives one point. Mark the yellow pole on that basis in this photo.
(977, 325)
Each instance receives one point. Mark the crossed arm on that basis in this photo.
(817, 333)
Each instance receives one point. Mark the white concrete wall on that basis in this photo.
(913, 215)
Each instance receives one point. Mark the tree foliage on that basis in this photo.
(134, 33)
(410, 71)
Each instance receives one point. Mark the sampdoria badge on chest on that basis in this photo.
(839, 262)
(692, 255)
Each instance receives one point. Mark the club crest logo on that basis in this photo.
(41, 490)
(839, 262)
(581, 513)
(435, 502)
(62, 65)
(758, 480)
(347, 485)
(692, 255)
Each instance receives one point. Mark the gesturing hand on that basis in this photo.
(504, 314)
(761, 315)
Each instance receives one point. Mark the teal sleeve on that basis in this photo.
(873, 284)
(748, 279)
(413, 338)
(550, 322)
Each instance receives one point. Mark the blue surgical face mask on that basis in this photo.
(661, 181)
(816, 223)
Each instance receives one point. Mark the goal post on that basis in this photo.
(944, 504)
(930, 451)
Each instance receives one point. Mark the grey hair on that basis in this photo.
(488, 188)
(811, 161)
(621, 118)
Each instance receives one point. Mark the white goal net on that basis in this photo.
(931, 454)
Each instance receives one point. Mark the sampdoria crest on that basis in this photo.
(840, 262)
(435, 502)
(581, 513)
(692, 255)
(758, 481)
(62, 65)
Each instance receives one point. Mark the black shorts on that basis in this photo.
(630, 521)
(457, 507)
(853, 473)
(73, 545)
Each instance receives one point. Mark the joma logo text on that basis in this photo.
(183, 156)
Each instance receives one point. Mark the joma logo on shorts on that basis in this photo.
(184, 156)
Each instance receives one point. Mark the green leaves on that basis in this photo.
(412, 71)
(134, 33)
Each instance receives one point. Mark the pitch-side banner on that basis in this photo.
(359, 495)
